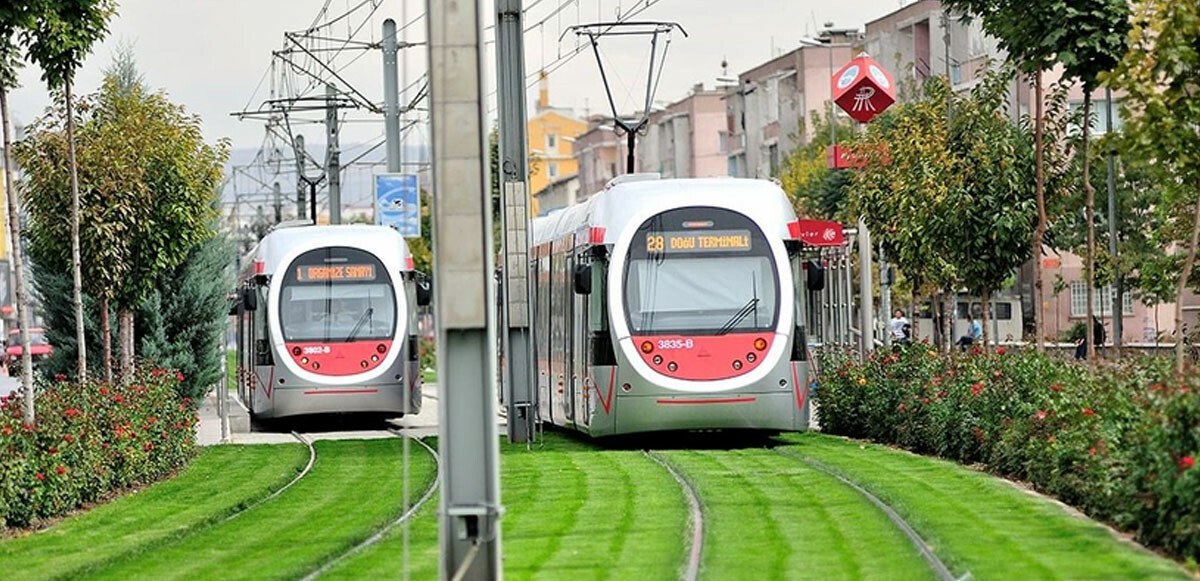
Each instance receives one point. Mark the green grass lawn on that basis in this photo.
(217, 483)
(351, 492)
(772, 517)
(978, 523)
(573, 512)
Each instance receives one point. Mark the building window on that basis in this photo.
(1099, 121)
(553, 171)
(551, 143)
(723, 142)
(773, 156)
(1102, 298)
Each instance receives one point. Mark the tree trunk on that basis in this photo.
(76, 267)
(106, 330)
(1089, 215)
(985, 298)
(948, 300)
(18, 262)
(915, 312)
(1039, 233)
(1188, 263)
(125, 322)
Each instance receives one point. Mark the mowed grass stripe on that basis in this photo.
(219, 482)
(771, 517)
(980, 524)
(352, 491)
(572, 512)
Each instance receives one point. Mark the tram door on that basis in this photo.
(579, 333)
(558, 336)
(541, 340)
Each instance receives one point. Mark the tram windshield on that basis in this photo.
(337, 295)
(701, 271)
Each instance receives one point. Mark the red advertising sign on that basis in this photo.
(863, 88)
(817, 232)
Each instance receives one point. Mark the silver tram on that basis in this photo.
(326, 323)
(671, 305)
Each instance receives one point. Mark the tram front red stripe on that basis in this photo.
(708, 401)
(338, 391)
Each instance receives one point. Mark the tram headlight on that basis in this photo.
(304, 361)
(737, 364)
(760, 344)
(647, 347)
(381, 348)
(374, 359)
(658, 359)
(672, 366)
(316, 366)
(364, 364)
(296, 351)
(750, 357)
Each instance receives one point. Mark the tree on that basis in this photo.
(814, 188)
(1092, 41)
(992, 211)
(903, 189)
(13, 17)
(60, 36)
(1028, 33)
(1161, 74)
(148, 180)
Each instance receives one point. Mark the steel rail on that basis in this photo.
(692, 571)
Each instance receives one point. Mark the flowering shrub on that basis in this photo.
(90, 439)
(1118, 441)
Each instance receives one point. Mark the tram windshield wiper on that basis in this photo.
(751, 306)
(366, 316)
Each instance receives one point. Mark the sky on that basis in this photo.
(210, 55)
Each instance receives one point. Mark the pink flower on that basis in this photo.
(1088, 412)
(1186, 462)
(977, 389)
(40, 476)
(1092, 451)
(179, 376)
(103, 390)
(61, 470)
(69, 438)
(1055, 387)
(1001, 351)
(60, 377)
(1040, 415)
(7, 431)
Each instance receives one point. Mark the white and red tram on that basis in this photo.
(326, 323)
(671, 305)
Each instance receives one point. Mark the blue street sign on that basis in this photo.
(398, 203)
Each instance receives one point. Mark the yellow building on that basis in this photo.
(552, 134)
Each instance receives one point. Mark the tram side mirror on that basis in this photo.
(249, 299)
(815, 276)
(424, 291)
(583, 279)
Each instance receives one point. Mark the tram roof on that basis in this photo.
(614, 208)
(382, 241)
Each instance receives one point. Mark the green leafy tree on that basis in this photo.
(815, 189)
(904, 189)
(15, 16)
(1161, 74)
(1028, 33)
(59, 38)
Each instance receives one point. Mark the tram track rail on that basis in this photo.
(312, 459)
(696, 520)
(380, 534)
(939, 568)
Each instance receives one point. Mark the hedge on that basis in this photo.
(1117, 440)
(90, 440)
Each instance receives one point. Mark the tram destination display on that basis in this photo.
(707, 241)
(342, 272)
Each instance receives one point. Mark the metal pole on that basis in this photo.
(832, 111)
(333, 157)
(391, 96)
(469, 531)
(885, 295)
(223, 386)
(1118, 311)
(866, 297)
(278, 203)
(301, 183)
(517, 375)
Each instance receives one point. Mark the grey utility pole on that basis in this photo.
(469, 531)
(866, 305)
(278, 202)
(885, 296)
(333, 156)
(391, 96)
(1118, 304)
(517, 375)
(301, 184)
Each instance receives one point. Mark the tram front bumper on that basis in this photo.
(321, 400)
(782, 411)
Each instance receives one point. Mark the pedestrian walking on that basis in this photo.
(1099, 336)
(899, 328)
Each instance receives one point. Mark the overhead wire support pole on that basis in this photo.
(518, 371)
(333, 156)
(469, 523)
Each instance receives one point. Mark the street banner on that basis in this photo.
(398, 203)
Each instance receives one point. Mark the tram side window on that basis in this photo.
(262, 339)
(598, 300)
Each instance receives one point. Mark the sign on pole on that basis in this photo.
(863, 88)
(398, 203)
